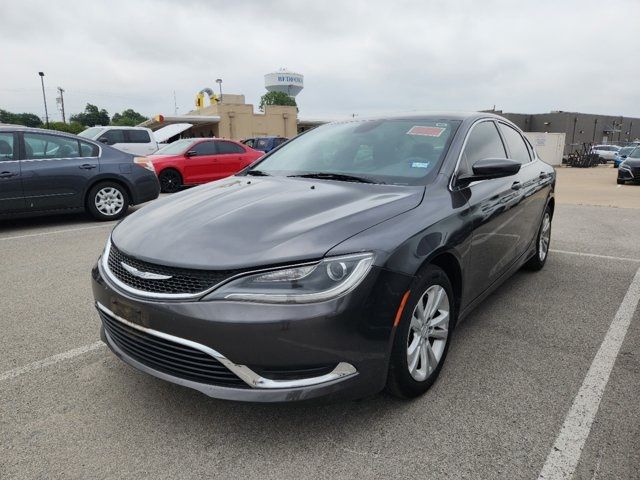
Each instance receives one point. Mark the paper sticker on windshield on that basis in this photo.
(426, 131)
(420, 165)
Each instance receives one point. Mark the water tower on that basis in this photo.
(285, 81)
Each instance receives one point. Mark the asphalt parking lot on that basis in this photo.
(70, 409)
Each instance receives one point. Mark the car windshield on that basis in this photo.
(394, 151)
(174, 148)
(625, 150)
(635, 153)
(92, 132)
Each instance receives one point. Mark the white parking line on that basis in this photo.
(16, 372)
(53, 232)
(595, 255)
(565, 454)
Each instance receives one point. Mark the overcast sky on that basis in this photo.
(358, 57)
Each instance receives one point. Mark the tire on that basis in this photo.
(170, 180)
(405, 380)
(108, 201)
(543, 240)
(620, 182)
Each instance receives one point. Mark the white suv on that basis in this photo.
(605, 152)
(134, 140)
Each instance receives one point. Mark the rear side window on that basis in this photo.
(261, 143)
(249, 143)
(518, 150)
(138, 136)
(483, 142)
(205, 148)
(40, 146)
(7, 146)
(229, 147)
(88, 149)
(114, 136)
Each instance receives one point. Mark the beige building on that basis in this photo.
(232, 118)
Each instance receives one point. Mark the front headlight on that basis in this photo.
(327, 279)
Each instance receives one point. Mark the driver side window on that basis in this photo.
(483, 142)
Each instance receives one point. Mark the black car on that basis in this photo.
(338, 264)
(42, 171)
(629, 169)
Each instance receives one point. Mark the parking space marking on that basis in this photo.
(565, 454)
(53, 232)
(16, 372)
(595, 255)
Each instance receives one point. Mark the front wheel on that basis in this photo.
(423, 335)
(108, 201)
(542, 243)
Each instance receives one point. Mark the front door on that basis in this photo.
(494, 206)
(201, 163)
(11, 196)
(56, 170)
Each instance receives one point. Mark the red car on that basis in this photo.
(193, 161)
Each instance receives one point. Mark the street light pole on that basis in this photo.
(44, 98)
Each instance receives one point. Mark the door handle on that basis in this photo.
(543, 175)
(87, 166)
(7, 174)
(516, 186)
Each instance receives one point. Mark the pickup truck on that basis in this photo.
(133, 140)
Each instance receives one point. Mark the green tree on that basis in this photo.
(73, 127)
(27, 119)
(91, 116)
(277, 98)
(128, 118)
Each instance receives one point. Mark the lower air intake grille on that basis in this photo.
(169, 357)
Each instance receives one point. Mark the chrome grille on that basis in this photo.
(182, 281)
(169, 357)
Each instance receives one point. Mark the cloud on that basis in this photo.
(357, 56)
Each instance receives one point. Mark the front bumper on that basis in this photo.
(351, 335)
(628, 173)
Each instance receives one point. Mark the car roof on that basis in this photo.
(22, 128)
(431, 115)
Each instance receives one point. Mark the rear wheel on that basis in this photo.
(422, 338)
(170, 181)
(542, 243)
(108, 201)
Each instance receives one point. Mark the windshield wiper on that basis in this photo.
(257, 173)
(335, 176)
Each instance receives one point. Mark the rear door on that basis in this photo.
(231, 158)
(494, 209)
(11, 195)
(139, 142)
(532, 179)
(202, 165)
(55, 170)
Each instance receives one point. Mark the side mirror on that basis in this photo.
(623, 156)
(104, 140)
(190, 153)
(491, 168)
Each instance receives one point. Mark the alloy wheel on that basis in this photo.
(545, 236)
(109, 201)
(428, 332)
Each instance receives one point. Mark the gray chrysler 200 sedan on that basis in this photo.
(336, 265)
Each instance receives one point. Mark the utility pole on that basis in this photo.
(44, 98)
(60, 101)
(175, 104)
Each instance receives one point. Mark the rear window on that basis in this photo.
(138, 136)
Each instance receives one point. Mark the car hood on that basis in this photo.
(244, 222)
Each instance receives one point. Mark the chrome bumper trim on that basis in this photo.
(251, 378)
